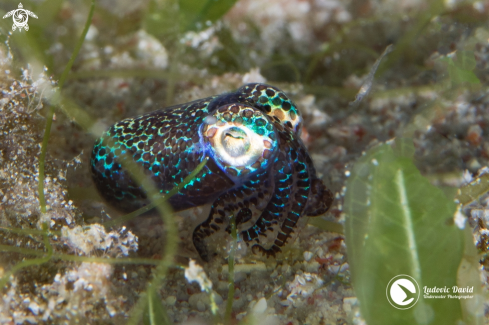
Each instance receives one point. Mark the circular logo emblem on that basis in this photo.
(20, 17)
(402, 291)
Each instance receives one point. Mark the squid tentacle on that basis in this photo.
(293, 188)
(238, 202)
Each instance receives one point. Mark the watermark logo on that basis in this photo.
(402, 291)
(20, 17)
(445, 292)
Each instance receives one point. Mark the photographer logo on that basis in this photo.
(20, 17)
(402, 291)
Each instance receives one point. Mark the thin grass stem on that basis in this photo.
(229, 305)
(49, 117)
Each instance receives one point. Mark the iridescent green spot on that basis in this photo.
(260, 122)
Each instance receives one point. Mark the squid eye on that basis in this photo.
(235, 142)
(236, 146)
(240, 138)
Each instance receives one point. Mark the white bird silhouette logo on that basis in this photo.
(20, 17)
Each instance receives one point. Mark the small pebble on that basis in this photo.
(222, 285)
(34, 308)
(307, 256)
(200, 306)
(259, 307)
(239, 276)
(202, 297)
(240, 316)
(170, 300)
(238, 303)
(218, 298)
(348, 302)
(474, 164)
(312, 267)
(474, 135)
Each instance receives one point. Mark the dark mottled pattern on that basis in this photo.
(259, 169)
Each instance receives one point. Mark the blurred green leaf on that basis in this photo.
(403, 147)
(326, 225)
(169, 18)
(461, 68)
(458, 75)
(161, 20)
(465, 60)
(155, 313)
(398, 223)
(196, 13)
(469, 276)
(46, 12)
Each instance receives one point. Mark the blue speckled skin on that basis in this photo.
(259, 169)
